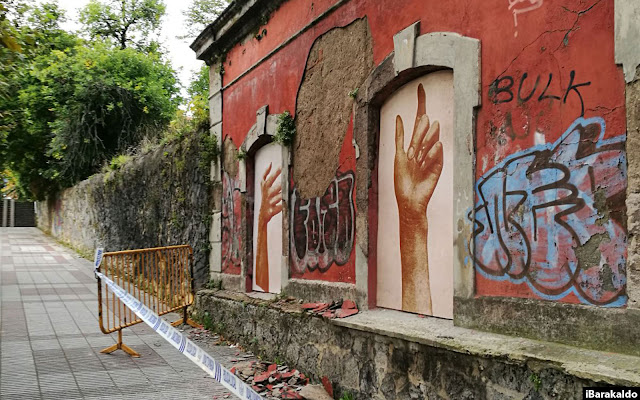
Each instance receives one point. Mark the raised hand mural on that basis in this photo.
(416, 173)
(415, 261)
(553, 217)
(267, 228)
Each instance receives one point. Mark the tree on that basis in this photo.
(8, 38)
(200, 14)
(102, 101)
(74, 105)
(123, 21)
(34, 31)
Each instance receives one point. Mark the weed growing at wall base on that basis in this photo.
(537, 382)
(346, 396)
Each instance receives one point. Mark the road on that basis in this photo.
(50, 341)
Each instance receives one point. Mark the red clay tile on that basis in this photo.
(327, 385)
(346, 313)
(329, 314)
(348, 304)
(261, 378)
(291, 395)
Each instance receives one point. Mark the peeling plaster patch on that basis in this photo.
(627, 21)
(539, 138)
(339, 61)
(485, 160)
(590, 253)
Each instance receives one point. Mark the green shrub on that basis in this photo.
(286, 131)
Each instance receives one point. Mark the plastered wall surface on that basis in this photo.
(543, 215)
(540, 79)
(323, 228)
(231, 215)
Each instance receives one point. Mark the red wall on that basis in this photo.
(553, 40)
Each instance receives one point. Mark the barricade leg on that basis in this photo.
(120, 346)
(185, 320)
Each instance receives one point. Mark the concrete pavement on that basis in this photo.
(50, 341)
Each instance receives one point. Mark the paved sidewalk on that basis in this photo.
(50, 341)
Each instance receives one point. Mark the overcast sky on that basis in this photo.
(182, 57)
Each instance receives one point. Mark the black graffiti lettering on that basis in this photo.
(536, 206)
(543, 95)
(323, 228)
(574, 87)
(535, 86)
(497, 89)
(505, 85)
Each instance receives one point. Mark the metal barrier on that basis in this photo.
(158, 277)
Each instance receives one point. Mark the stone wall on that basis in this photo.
(157, 199)
(397, 356)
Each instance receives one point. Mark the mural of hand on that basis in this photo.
(416, 174)
(417, 171)
(270, 206)
(271, 195)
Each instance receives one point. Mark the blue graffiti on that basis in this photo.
(553, 217)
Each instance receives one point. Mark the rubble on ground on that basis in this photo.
(270, 379)
(335, 309)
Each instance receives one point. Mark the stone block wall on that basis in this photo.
(158, 199)
(369, 364)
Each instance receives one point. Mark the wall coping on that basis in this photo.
(613, 368)
(610, 368)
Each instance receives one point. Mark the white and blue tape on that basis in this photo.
(185, 346)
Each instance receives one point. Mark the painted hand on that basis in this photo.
(271, 195)
(271, 205)
(417, 171)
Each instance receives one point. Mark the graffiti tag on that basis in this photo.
(553, 216)
(502, 91)
(231, 225)
(521, 7)
(323, 228)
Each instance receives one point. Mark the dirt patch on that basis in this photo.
(229, 160)
(339, 61)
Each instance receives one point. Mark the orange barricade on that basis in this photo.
(158, 277)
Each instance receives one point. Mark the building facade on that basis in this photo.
(466, 160)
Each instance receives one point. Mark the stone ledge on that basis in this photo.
(612, 368)
(597, 328)
(321, 291)
(419, 358)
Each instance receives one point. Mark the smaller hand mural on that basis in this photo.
(416, 174)
(271, 205)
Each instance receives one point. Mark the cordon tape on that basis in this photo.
(178, 339)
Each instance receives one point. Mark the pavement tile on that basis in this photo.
(50, 340)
